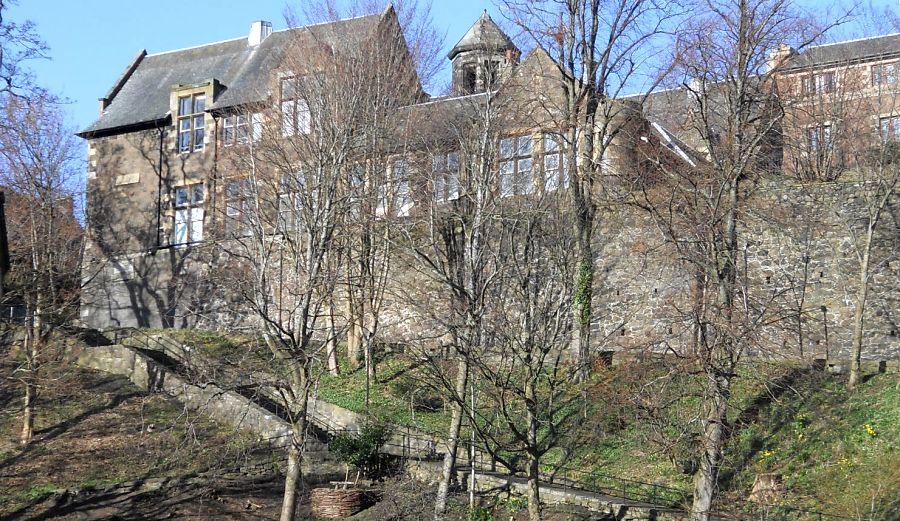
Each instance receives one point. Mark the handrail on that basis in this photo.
(577, 479)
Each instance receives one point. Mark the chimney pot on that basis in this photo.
(259, 31)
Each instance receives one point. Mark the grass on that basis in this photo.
(389, 396)
(93, 429)
(835, 450)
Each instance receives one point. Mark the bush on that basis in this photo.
(361, 449)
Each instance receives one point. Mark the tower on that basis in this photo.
(482, 58)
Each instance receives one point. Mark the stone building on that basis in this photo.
(164, 180)
(841, 102)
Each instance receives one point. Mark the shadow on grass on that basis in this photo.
(54, 431)
(755, 410)
(151, 499)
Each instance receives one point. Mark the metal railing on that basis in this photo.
(421, 447)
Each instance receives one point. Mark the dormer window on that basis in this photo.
(190, 122)
(295, 117)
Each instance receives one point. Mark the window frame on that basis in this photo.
(879, 72)
(189, 214)
(559, 152)
(241, 128)
(296, 118)
(445, 176)
(191, 126)
(892, 128)
(237, 197)
(819, 83)
(818, 137)
(512, 180)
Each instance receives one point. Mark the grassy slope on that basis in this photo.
(93, 429)
(810, 430)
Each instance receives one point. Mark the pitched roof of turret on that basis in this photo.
(485, 35)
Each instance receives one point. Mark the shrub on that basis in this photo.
(361, 449)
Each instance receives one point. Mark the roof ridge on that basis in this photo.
(850, 41)
(209, 44)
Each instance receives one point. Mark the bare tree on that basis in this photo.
(288, 221)
(40, 170)
(878, 176)
(451, 244)
(531, 394)
(722, 60)
(18, 43)
(601, 49)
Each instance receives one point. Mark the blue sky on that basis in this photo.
(92, 41)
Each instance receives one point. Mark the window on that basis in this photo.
(188, 214)
(403, 201)
(818, 137)
(555, 175)
(356, 187)
(469, 80)
(818, 83)
(890, 128)
(445, 174)
(190, 122)
(237, 207)
(515, 166)
(289, 216)
(885, 74)
(295, 117)
(240, 129)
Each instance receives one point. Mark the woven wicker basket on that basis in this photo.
(339, 503)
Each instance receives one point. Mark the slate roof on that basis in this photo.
(242, 71)
(851, 51)
(484, 34)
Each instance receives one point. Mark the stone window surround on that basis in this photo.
(206, 88)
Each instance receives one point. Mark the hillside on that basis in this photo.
(834, 451)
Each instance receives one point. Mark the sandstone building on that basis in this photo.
(163, 187)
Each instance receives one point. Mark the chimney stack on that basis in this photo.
(778, 55)
(259, 31)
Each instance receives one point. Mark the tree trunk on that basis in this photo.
(449, 467)
(354, 335)
(859, 313)
(534, 492)
(291, 482)
(300, 399)
(28, 411)
(584, 290)
(713, 441)
(31, 362)
(331, 344)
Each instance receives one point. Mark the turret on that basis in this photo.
(483, 57)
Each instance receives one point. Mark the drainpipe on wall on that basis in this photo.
(4, 245)
(159, 182)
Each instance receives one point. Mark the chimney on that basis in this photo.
(778, 55)
(259, 31)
